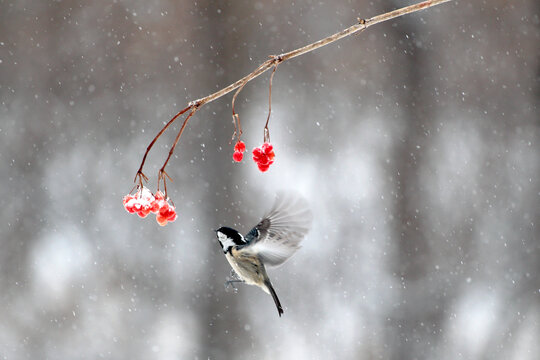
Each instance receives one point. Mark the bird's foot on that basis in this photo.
(231, 282)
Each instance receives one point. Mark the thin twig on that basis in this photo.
(140, 174)
(236, 117)
(266, 137)
(162, 172)
(358, 27)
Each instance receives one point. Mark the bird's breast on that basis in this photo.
(248, 267)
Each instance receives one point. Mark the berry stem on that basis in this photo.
(140, 174)
(194, 109)
(266, 138)
(162, 175)
(236, 117)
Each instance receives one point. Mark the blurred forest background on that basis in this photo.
(416, 142)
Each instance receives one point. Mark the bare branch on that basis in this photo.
(361, 25)
(273, 62)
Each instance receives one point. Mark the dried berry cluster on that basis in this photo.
(143, 202)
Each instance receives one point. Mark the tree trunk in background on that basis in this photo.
(221, 317)
(414, 319)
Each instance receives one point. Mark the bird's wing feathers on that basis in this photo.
(278, 235)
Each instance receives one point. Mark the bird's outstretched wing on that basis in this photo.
(278, 235)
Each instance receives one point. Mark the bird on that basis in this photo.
(268, 244)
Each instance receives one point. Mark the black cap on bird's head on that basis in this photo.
(229, 237)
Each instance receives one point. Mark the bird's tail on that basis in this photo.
(274, 296)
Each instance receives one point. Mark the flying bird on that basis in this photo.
(270, 243)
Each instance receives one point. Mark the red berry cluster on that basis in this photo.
(264, 156)
(239, 149)
(144, 203)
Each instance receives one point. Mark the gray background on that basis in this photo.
(416, 143)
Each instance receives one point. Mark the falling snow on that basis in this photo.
(416, 143)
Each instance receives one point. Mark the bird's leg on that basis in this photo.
(231, 282)
(233, 275)
(234, 278)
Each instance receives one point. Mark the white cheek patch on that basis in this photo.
(222, 237)
(225, 241)
(227, 244)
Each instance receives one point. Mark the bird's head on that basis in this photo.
(228, 237)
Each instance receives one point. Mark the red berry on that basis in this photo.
(172, 217)
(167, 213)
(143, 213)
(130, 209)
(129, 202)
(154, 206)
(238, 156)
(159, 196)
(126, 199)
(267, 147)
(166, 210)
(240, 147)
(157, 202)
(264, 160)
(164, 207)
(263, 168)
(137, 205)
(161, 220)
(257, 153)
